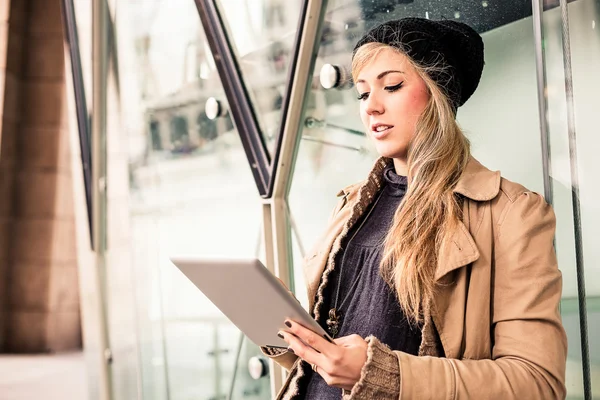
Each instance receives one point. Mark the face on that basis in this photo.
(392, 97)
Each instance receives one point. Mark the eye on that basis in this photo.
(392, 89)
(363, 96)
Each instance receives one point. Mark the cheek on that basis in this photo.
(363, 116)
(413, 107)
(421, 99)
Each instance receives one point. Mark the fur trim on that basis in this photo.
(366, 194)
(292, 388)
(429, 340)
(272, 351)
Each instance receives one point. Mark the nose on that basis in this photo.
(373, 105)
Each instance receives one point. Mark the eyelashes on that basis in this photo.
(390, 89)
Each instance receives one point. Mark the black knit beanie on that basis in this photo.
(451, 44)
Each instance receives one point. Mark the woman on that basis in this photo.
(436, 277)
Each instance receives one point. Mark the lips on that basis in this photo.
(380, 130)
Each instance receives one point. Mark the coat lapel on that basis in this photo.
(447, 305)
(456, 252)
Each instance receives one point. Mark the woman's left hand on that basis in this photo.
(339, 364)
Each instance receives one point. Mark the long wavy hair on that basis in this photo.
(437, 156)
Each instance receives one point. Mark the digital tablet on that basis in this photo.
(249, 295)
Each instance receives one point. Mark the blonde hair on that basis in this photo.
(437, 156)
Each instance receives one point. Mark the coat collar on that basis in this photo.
(476, 183)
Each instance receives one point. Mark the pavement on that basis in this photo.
(48, 377)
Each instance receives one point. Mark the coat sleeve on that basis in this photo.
(529, 342)
(282, 357)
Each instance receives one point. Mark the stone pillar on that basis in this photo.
(12, 28)
(42, 313)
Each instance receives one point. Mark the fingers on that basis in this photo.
(303, 351)
(339, 364)
(310, 338)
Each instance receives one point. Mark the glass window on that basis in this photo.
(262, 33)
(189, 190)
(245, 386)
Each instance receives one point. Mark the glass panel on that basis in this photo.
(245, 387)
(262, 33)
(584, 56)
(585, 59)
(561, 180)
(186, 192)
(298, 254)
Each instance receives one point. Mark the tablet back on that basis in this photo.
(249, 295)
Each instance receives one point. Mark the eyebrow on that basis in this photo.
(381, 75)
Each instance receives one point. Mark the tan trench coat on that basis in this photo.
(496, 309)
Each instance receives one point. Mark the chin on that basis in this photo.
(390, 151)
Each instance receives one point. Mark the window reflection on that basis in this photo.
(262, 33)
(187, 189)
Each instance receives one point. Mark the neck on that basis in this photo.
(401, 166)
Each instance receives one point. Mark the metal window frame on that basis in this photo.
(243, 114)
(92, 142)
(277, 220)
(263, 165)
(293, 102)
(81, 110)
(84, 119)
(538, 36)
